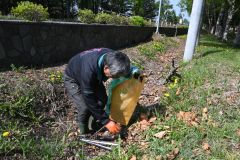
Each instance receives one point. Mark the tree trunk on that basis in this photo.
(237, 39)
(219, 21)
(231, 11)
(213, 29)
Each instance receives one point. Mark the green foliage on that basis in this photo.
(124, 20)
(138, 21)
(151, 49)
(86, 16)
(104, 18)
(30, 11)
(17, 69)
(144, 8)
(56, 77)
(20, 103)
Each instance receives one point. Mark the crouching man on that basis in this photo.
(83, 79)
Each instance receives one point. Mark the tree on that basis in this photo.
(231, 12)
(166, 11)
(117, 6)
(237, 39)
(186, 5)
(145, 8)
(219, 25)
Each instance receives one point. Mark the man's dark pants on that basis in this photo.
(83, 113)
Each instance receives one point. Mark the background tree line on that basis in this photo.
(220, 17)
(62, 9)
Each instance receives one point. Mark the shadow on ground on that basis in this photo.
(217, 45)
(210, 52)
(150, 111)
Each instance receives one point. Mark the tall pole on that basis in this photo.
(159, 13)
(193, 30)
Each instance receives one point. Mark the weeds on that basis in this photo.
(151, 49)
(17, 69)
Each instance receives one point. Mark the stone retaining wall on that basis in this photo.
(40, 43)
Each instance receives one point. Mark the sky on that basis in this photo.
(177, 9)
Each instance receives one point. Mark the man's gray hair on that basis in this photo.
(118, 63)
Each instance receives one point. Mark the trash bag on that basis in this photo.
(123, 97)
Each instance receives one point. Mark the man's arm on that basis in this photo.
(88, 83)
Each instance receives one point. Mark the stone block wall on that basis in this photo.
(40, 43)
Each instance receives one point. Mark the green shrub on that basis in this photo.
(124, 20)
(121, 20)
(137, 21)
(86, 16)
(116, 19)
(104, 18)
(30, 11)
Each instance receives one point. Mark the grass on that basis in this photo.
(212, 81)
(156, 47)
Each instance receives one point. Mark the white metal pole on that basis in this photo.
(159, 13)
(193, 30)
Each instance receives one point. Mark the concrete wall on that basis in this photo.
(38, 43)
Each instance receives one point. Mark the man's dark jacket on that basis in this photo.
(86, 70)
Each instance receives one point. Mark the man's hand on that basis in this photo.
(113, 127)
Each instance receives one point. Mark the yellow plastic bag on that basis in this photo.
(124, 100)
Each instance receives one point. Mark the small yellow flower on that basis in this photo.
(166, 94)
(176, 81)
(52, 79)
(6, 134)
(171, 86)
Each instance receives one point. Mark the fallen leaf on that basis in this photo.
(238, 132)
(205, 110)
(72, 134)
(173, 154)
(206, 146)
(160, 135)
(144, 124)
(221, 113)
(205, 114)
(194, 123)
(159, 158)
(178, 91)
(144, 145)
(133, 157)
(188, 117)
(145, 157)
(156, 99)
(151, 120)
